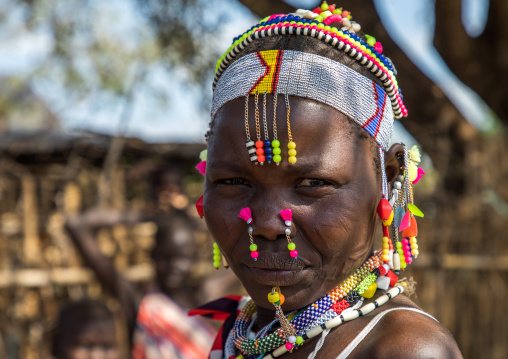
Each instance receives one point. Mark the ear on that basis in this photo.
(394, 160)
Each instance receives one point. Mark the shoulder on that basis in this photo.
(403, 333)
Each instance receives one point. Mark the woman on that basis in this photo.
(298, 228)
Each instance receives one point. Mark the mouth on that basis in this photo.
(277, 269)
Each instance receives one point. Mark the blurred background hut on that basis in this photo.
(98, 97)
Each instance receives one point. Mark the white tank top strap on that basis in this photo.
(354, 343)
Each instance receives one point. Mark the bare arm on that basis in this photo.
(82, 229)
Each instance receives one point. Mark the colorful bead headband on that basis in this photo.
(320, 26)
(311, 76)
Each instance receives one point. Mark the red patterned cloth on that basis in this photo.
(220, 309)
(165, 331)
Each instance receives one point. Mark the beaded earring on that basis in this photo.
(275, 143)
(267, 148)
(385, 212)
(259, 144)
(246, 215)
(291, 144)
(216, 256)
(287, 216)
(249, 144)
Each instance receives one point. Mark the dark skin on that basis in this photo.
(333, 191)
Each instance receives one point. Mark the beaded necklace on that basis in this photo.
(337, 300)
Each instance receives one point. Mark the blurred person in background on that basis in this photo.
(158, 326)
(85, 329)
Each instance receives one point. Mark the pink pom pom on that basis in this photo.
(201, 167)
(419, 175)
(254, 255)
(286, 214)
(246, 215)
(289, 346)
(293, 253)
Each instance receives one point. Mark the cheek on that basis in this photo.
(222, 220)
(340, 223)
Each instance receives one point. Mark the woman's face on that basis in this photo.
(332, 191)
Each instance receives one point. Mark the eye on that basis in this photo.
(314, 182)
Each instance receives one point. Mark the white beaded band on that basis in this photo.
(311, 76)
(341, 319)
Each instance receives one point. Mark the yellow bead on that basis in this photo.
(273, 297)
(369, 293)
(414, 246)
(415, 252)
(292, 159)
(291, 145)
(387, 222)
(386, 257)
(292, 152)
(386, 246)
(386, 239)
(412, 240)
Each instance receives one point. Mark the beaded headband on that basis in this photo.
(311, 76)
(321, 25)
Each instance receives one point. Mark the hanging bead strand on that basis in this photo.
(259, 144)
(267, 147)
(291, 144)
(249, 144)
(275, 143)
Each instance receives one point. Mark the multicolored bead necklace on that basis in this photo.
(362, 284)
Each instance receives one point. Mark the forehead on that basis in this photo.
(323, 135)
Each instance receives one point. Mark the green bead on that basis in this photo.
(216, 251)
(275, 143)
(215, 245)
(253, 247)
(216, 264)
(398, 245)
(299, 340)
(324, 6)
(277, 151)
(327, 28)
(277, 158)
(216, 257)
(321, 26)
(291, 246)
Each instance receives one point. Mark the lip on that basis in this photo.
(276, 269)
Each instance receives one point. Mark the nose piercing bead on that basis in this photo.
(287, 216)
(246, 215)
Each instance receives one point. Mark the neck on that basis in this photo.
(265, 317)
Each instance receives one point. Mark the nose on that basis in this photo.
(268, 222)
